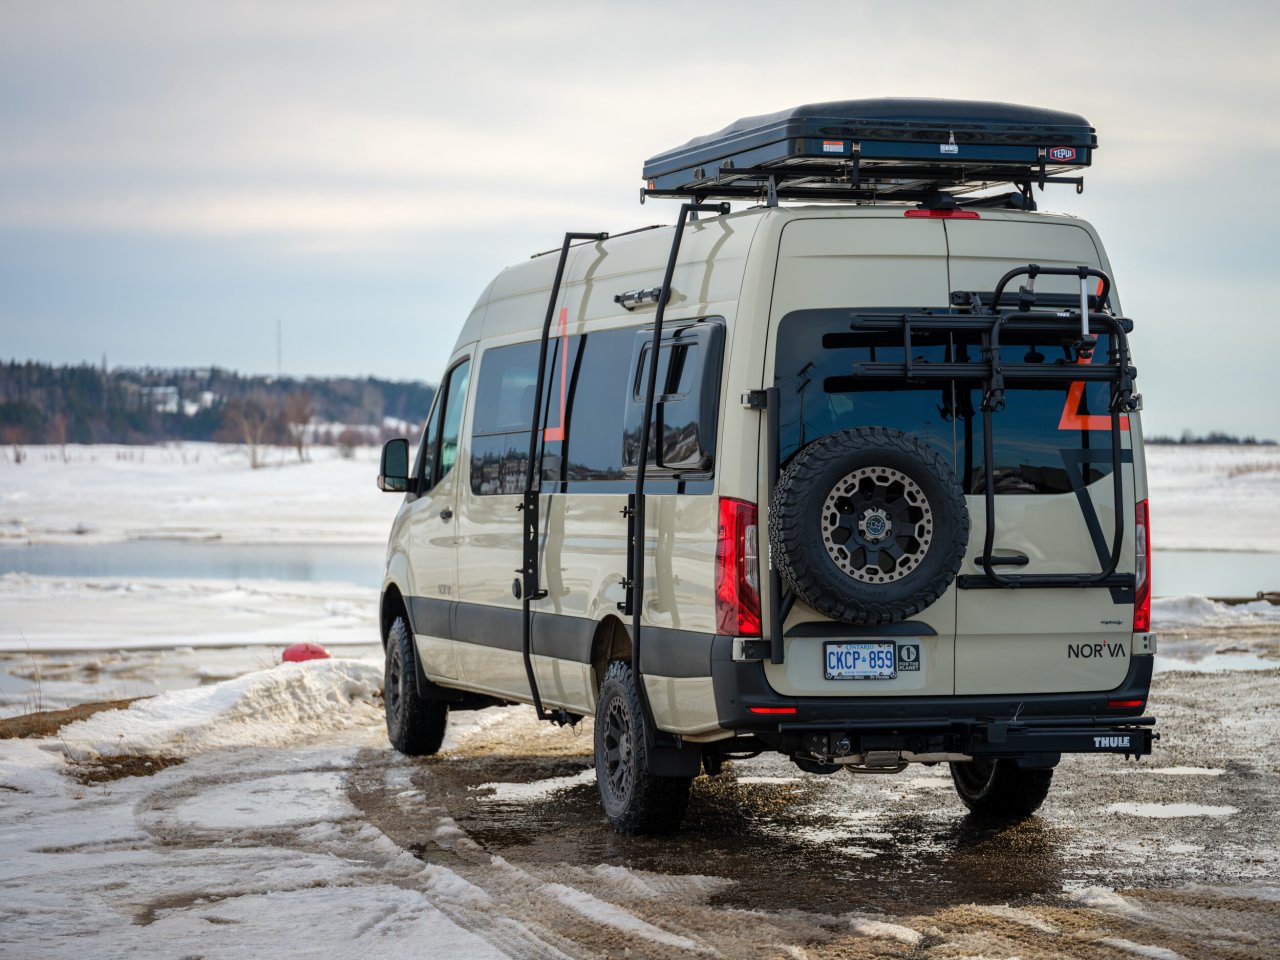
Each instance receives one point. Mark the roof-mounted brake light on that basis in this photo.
(944, 214)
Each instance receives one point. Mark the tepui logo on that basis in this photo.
(1062, 154)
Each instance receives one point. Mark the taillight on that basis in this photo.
(738, 570)
(943, 214)
(1142, 571)
(1125, 704)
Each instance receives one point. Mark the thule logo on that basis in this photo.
(1102, 743)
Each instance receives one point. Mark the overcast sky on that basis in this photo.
(175, 178)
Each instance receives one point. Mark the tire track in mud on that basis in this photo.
(512, 810)
(574, 912)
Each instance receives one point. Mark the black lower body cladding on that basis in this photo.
(868, 525)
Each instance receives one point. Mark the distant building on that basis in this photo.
(161, 399)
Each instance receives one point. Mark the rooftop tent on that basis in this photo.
(891, 148)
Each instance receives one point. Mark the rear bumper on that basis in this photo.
(988, 726)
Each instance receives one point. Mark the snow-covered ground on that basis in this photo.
(1225, 498)
(277, 822)
(196, 491)
(1215, 498)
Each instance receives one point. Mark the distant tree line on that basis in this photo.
(43, 403)
(1214, 436)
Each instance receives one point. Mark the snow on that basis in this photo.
(1141, 949)
(1103, 898)
(614, 916)
(265, 708)
(191, 491)
(256, 838)
(1214, 497)
(240, 847)
(1170, 612)
(504, 792)
(69, 613)
(886, 931)
(1166, 811)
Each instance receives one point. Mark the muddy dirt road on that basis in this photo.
(773, 862)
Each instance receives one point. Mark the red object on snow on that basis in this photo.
(305, 651)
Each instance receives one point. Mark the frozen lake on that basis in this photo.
(1213, 573)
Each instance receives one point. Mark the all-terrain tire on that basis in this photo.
(635, 800)
(415, 724)
(901, 512)
(1000, 789)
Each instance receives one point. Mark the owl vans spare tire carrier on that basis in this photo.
(868, 525)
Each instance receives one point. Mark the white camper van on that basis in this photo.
(852, 472)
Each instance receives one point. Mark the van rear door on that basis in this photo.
(1054, 506)
(827, 268)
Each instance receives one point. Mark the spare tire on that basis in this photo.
(868, 525)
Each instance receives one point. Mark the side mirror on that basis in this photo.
(393, 474)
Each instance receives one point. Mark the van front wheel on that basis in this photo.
(1000, 789)
(415, 724)
(634, 799)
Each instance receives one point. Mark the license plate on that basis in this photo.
(860, 661)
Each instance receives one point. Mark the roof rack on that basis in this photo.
(866, 150)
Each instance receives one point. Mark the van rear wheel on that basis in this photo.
(1000, 789)
(634, 799)
(415, 724)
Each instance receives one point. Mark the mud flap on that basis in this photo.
(675, 761)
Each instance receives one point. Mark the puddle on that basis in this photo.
(1217, 663)
(786, 842)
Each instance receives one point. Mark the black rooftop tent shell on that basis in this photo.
(898, 148)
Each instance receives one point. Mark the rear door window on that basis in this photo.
(820, 393)
(1049, 440)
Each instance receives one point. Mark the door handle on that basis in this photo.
(446, 514)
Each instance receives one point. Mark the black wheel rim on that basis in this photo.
(619, 750)
(877, 524)
(392, 692)
(974, 775)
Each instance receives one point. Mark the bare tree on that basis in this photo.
(295, 414)
(250, 421)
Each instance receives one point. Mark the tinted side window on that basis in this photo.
(427, 449)
(455, 395)
(686, 398)
(504, 392)
(590, 445)
(504, 407)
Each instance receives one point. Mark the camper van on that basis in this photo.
(845, 464)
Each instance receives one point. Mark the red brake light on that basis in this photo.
(1142, 570)
(738, 570)
(1124, 704)
(786, 710)
(945, 214)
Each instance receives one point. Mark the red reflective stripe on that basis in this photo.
(557, 433)
(772, 709)
(1118, 704)
(1072, 418)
